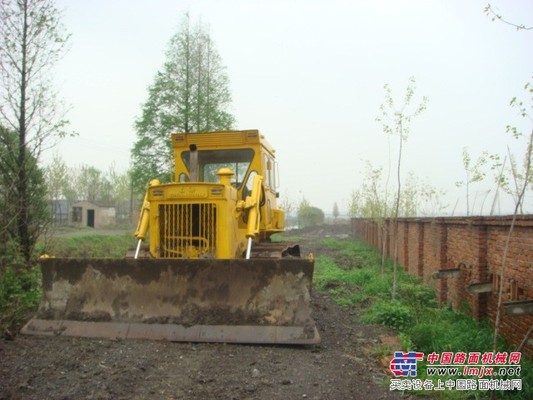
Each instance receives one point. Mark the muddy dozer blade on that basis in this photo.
(205, 300)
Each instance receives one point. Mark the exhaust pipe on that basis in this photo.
(194, 170)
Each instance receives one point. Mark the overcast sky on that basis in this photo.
(309, 74)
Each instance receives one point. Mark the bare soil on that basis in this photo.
(344, 366)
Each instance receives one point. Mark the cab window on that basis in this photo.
(210, 161)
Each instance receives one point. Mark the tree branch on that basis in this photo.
(490, 12)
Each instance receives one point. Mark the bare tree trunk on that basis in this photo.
(384, 233)
(496, 194)
(396, 213)
(22, 219)
(524, 340)
(508, 240)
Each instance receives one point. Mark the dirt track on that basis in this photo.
(341, 367)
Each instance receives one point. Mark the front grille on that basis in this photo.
(187, 230)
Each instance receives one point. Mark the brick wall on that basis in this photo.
(453, 254)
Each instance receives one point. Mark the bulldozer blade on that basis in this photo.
(203, 300)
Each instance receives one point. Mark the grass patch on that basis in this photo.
(20, 295)
(414, 315)
(282, 237)
(90, 246)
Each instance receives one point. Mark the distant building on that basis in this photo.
(92, 214)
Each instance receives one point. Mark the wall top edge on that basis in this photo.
(503, 220)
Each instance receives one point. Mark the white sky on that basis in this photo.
(309, 74)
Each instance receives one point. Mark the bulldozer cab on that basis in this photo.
(246, 153)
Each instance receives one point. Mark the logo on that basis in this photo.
(404, 364)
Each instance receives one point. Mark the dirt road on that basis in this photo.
(341, 367)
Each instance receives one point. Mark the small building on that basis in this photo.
(92, 214)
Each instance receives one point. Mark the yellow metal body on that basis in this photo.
(221, 196)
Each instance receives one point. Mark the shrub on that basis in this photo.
(20, 295)
(391, 313)
(310, 216)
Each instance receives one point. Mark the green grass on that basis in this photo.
(362, 276)
(282, 237)
(90, 245)
(20, 295)
(353, 277)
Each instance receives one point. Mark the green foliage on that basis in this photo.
(448, 330)
(32, 41)
(37, 215)
(327, 272)
(392, 313)
(10, 253)
(20, 295)
(189, 94)
(417, 197)
(517, 177)
(369, 200)
(57, 178)
(85, 182)
(309, 215)
(360, 284)
(282, 237)
(417, 297)
(474, 173)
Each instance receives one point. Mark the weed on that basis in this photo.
(20, 295)
(391, 313)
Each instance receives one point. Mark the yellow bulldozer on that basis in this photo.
(208, 271)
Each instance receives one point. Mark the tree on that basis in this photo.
(32, 40)
(286, 204)
(396, 121)
(525, 111)
(120, 185)
(473, 173)
(335, 211)
(489, 11)
(509, 178)
(91, 184)
(37, 211)
(368, 201)
(418, 197)
(190, 94)
(309, 215)
(57, 183)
